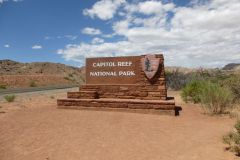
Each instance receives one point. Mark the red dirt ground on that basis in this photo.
(34, 129)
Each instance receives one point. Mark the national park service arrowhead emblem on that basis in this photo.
(150, 65)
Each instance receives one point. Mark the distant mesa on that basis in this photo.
(10, 67)
(18, 75)
(7, 62)
(232, 66)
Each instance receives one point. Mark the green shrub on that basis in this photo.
(3, 86)
(215, 99)
(33, 84)
(10, 98)
(233, 83)
(192, 91)
(233, 139)
(177, 79)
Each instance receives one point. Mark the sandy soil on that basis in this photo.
(33, 129)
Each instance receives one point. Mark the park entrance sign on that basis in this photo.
(113, 70)
(133, 83)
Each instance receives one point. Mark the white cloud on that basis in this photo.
(1, 1)
(107, 35)
(121, 27)
(154, 7)
(37, 47)
(203, 34)
(79, 52)
(17, 0)
(48, 37)
(6, 45)
(104, 9)
(97, 40)
(91, 31)
(71, 37)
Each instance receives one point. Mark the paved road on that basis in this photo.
(33, 89)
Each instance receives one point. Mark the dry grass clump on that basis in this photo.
(3, 86)
(33, 84)
(10, 98)
(232, 139)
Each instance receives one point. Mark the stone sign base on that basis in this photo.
(132, 105)
(128, 105)
(131, 98)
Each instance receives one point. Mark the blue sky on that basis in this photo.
(189, 33)
(30, 22)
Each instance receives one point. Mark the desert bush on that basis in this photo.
(10, 98)
(233, 83)
(70, 75)
(233, 139)
(214, 98)
(82, 79)
(176, 80)
(33, 84)
(70, 78)
(67, 78)
(3, 86)
(192, 91)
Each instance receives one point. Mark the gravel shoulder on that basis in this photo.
(33, 128)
